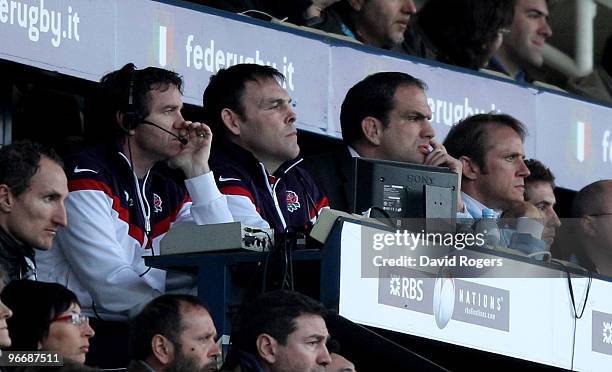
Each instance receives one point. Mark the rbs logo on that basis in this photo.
(409, 288)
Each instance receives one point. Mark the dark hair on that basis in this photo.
(372, 96)
(465, 30)
(272, 313)
(539, 173)
(226, 88)
(160, 316)
(117, 85)
(606, 59)
(470, 137)
(34, 305)
(20, 161)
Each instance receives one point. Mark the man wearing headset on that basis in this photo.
(121, 203)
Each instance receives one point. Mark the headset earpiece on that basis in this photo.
(131, 118)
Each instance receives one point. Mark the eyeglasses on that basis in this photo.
(600, 214)
(76, 319)
(503, 31)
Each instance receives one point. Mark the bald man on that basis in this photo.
(339, 364)
(592, 207)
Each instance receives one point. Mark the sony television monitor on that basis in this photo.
(396, 190)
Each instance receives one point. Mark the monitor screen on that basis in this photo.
(398, 190)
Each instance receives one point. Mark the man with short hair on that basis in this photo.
(122, 202)
(490, 148)
(385, 116)
(174, 333)
(280, 331)
(592, 207)
(256, 153)
(522, 48)
(377, 23)
(539, 191)
(33, 187)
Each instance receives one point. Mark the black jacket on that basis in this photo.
(288, 199)
(14, 258)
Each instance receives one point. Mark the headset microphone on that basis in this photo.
(181, 139)
(131, 115)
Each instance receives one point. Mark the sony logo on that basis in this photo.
(415, 178)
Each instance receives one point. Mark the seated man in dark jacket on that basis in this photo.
(522, 51)
(255, 155)
(279, 331)
(385, 116)
(377, 23)
(174, 332)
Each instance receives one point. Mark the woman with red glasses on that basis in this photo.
(47, 316)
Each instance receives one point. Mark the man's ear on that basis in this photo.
(162, 349)
(267, 348)
(470, 170)
(356, 4)
(120, 118)
(372, 129)
(6, 199)
(231, 120)
(586, 225)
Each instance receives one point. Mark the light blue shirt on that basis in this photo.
(473, 208)
(524, 243)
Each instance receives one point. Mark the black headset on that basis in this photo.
(131, 117)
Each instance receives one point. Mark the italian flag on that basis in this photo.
(583, 136)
